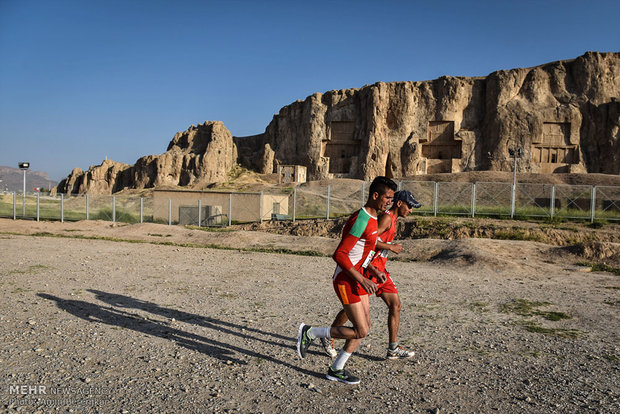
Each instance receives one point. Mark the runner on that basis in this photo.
(352, 256)
(403, 204)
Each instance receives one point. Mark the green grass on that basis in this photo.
(478, 306)
(558, 332)
(553, 316)
(600, 267)
(209, 229)
(521, 307)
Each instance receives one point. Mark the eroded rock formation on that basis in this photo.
(200, 155)
(564, 116)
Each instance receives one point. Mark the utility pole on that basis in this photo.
(24, 167)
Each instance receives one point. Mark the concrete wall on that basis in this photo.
(245, 206)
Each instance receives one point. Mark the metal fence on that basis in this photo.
(311, 200)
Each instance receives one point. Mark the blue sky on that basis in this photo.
(84, 80)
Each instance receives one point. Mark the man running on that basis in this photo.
(352, 256)
(403, 204)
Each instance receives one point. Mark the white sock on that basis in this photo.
(319, 332)
(341, 359)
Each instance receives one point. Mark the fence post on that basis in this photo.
(87, 207)
(14, 205)
(230, 209)
(473, 199)
(435, 199)
(552, 206)
(38, 204)
(329, 187)
(593, 204)
(363, 191)
(113, 209)
(260, 207)
(199, 212)
(169, 212)
(62, 208)
(141, 210)
(294, 203)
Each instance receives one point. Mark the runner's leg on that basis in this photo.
(359, 315)
(392, 300)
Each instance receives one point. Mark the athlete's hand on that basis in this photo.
(381, 276)
(396, 248)
(369, 286)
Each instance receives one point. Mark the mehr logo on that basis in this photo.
(27, 389)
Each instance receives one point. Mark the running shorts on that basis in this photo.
(386, 287)
(348, 289)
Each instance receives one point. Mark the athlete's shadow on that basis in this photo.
(122, 301)
(110, 315)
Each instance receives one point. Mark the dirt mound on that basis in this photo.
(456, 228)
(601, 252)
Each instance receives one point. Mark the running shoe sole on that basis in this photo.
(393, 357)
(355, 380)
(299, 338)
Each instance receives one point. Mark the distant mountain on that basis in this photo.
(12, 179)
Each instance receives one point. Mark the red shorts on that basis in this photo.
(348, 289)
(386, 287)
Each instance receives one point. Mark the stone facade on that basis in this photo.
(563, 115)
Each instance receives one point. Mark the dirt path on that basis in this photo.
(109, 326)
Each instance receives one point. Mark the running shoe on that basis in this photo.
(399, 353)
(328, 346)
(342, 375)
(303, 340)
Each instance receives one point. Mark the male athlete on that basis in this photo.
(403, 204)
(352, 256)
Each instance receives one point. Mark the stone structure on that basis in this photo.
(292, 174)
(564, 116)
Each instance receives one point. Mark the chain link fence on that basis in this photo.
(317, 200)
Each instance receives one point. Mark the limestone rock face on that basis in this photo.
(200, 155)
(564, 116)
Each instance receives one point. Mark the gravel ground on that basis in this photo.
(120, 327)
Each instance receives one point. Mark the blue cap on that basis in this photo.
(407, 197)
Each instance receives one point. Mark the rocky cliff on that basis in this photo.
(200, 155)
(562, 116)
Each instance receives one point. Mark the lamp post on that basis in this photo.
(24, 167)
(515, 153)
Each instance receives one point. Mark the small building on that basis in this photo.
(216, 208)
(291, 174)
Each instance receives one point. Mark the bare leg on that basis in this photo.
(359, 315)
(393, 302)
(340, 319)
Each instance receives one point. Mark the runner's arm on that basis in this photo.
(393, 247)
(378, 273)
(341, 256)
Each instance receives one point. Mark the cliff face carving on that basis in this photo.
(200, 155)
(564, 116)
